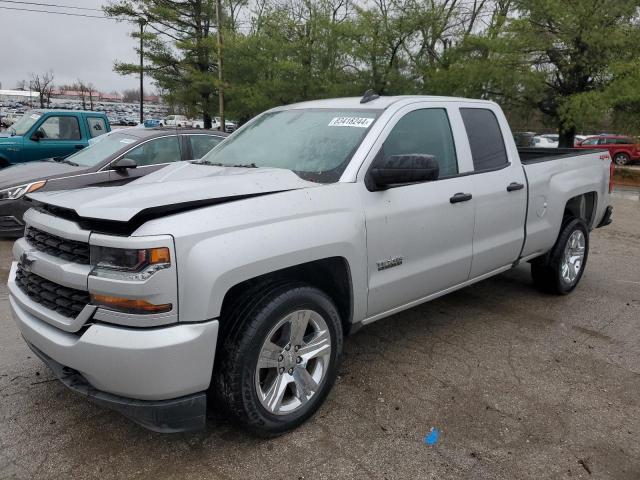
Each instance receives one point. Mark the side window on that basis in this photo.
(97, 126)
(427, 132)
(590, 141)
(624, 141)
(485, 138)
(61, 128)
(159, 150)
(201, 144)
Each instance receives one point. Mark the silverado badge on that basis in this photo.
(389, 263)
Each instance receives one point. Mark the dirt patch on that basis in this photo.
(627, 176)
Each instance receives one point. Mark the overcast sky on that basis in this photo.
(73, 47)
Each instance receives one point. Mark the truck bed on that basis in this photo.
(537, 155)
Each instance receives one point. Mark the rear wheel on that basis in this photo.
(621, 159)
(280, 358)
(562, 268)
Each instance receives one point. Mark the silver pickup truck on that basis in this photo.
(236, 278)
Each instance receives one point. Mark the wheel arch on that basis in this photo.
(332, 275)
(582, 206)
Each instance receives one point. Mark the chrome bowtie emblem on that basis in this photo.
(26, 262)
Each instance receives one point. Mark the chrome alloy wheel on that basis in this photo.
(573, 257)
(292, 362)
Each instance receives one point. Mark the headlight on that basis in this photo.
(13, 193)
(128, 264)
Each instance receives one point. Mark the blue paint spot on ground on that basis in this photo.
(432, 438)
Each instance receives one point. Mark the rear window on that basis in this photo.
(485, 139)
(97, 126)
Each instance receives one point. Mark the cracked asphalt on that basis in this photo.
(519, 384)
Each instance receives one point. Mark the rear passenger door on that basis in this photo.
(201, 144)
(499, 192)
(150, 156)
(419, 236)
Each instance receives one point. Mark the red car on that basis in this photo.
(623, 150)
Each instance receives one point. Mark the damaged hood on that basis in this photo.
(178, 187)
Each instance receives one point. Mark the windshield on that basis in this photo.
(23, 125)
(315, 144)
(99, 151)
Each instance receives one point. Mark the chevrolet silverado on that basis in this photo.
(235, 278)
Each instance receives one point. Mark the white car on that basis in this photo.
(240, 275)
(176, 121)
(544, 142)
(200, 124)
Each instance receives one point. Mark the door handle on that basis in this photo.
(513, 186)
(460, 197)
(79, 147)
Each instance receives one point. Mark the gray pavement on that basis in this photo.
(519, 384)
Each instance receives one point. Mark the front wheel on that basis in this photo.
(621, 159)
(562, 268)
(280, 359)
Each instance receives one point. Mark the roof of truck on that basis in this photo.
(379, 103)
(42, 111)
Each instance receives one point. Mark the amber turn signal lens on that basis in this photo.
(35, 186)
(128, 305)
(159, 255)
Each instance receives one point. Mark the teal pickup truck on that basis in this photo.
(41, 134)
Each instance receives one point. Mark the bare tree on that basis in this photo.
(43, 84)
(91, 91)
(82, 88)
(131, 95)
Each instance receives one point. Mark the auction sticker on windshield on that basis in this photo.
(35, 116)
(358, 122)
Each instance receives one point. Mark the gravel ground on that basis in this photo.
(518, 383)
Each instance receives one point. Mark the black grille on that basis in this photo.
(66, 301)
(71, 250)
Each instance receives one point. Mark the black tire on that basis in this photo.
(247, 327)
(546, 271)
(621, 159)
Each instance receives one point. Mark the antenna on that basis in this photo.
(369, 96)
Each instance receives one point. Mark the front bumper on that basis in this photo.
(182, 414)
(11, 217)
(129, 369)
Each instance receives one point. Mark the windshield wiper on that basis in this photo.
(215, 164)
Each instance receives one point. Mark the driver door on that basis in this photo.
(61, 136)
(419, 236)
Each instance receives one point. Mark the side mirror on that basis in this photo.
(124, 164)
(402, 169)
(37, 135)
